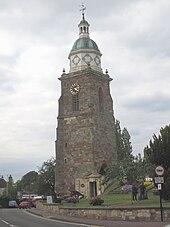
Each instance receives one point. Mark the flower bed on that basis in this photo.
(97, 200)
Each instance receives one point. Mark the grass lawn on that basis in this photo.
(124, 201)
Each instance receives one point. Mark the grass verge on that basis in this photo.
(123, 201)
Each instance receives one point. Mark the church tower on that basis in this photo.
(85, 142)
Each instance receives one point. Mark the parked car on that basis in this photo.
(12, 204)
(31, 200)
(24, 205)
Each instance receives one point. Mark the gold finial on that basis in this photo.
(83, 8)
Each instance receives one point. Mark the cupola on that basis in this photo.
(85, 51)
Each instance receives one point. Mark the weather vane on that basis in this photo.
(83, 8)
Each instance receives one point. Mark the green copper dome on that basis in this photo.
(84, 43)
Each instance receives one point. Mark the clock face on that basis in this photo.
(75, 88)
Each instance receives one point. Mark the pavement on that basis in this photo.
(89, 222)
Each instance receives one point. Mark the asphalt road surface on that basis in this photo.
(19, 218)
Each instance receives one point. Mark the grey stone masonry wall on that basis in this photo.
(119, 214)
(85, 138)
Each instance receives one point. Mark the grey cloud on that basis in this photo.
(152, 35)
(149, 103)
(7, 84)
(17, 166)
(152, 44)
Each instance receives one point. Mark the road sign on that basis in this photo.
(49, 199)
(159, 180)
(159, 170)
(159, 186)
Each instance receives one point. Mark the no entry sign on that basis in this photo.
(159, 170)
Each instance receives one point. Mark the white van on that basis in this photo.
(12, 204)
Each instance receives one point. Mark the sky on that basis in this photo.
(36, 37)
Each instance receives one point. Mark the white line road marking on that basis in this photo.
(4, 221)
(59, 221)
(7, 223)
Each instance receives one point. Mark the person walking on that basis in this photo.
(134, 192)
(142, 190)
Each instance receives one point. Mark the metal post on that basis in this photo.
(159, 171)
(160, 193)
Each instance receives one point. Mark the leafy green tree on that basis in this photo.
(158, 153)
(166, 187)
(119, 141)
(127, 147)
(41, 182)
(28, 183)
(46, 180)
(124, 147)
(10, 190)
(143, 168)
(129, 168)
(128, 171)
(124, 169)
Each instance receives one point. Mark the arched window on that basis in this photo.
(100, 93)
(75, 102)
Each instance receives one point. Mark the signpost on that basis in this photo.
(49, 199)
(159, 180)
(159, 171)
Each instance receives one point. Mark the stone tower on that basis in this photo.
(85, 142)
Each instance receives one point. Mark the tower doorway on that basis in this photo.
(93, 189)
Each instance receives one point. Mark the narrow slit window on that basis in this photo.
(75, 102)
(100, 99)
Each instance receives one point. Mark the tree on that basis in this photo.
(10, 190)
(124, 147)
(128, 168)
(125, 167)
(119, 141)
(41, 182)
(28, 183)
(46, 179)
(158, 153)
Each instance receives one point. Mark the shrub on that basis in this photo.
(58, 200)
(72, 199)
(96, 201)
(127, 188)
(148, 183)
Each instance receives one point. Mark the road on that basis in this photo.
(19, 218)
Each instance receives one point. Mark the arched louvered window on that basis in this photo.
(75, 102)
(100, 93)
